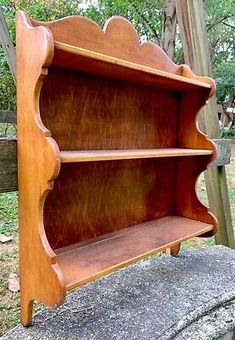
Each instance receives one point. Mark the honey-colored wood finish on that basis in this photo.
(130, 243)
(79, 59)
(103, 155)
(108, 153)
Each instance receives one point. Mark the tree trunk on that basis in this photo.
(167, 41)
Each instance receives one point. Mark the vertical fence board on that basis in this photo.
(8, 165)
(192, 25)
(7, 45)
(7, 116)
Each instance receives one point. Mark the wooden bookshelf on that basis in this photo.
(109, 153)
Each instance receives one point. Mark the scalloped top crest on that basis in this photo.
(118, 39)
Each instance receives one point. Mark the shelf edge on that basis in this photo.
(105, 155)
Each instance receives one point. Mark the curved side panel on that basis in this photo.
(189, 168)
(38, 164)
(189, 135)
(187, 202)
(187, 72)
(118, 39)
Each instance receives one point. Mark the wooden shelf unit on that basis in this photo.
(109, 153)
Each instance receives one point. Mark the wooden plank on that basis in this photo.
(223, 152)
(76, 58)
(192, 25)
(7, 45)
(102, 155)
(8, 153)
(117, 249)
(8, 165)
(7, 116)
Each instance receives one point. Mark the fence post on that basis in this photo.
(193, 32)
(7, 45)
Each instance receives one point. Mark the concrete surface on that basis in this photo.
(191, 297)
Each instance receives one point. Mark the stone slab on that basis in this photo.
(191, 296)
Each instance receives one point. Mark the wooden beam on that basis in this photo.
(7, 45)
(7, 116)
(192, 26)
(223, 152)
(8, 165)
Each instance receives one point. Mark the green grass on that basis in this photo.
(7, 130)
(9, 214)
(9, 301)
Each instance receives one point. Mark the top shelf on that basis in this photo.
(79, 59)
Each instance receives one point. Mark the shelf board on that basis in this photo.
(104, 155)
(86, 261)
(79, 59)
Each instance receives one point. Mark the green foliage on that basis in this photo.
(145, 15)
(7, 86)
(220, 18)
(147, 18)
(221, 31)
(8, 213)
(40, 10)
(229, 134)
(225, 80)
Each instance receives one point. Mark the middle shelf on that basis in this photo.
(104, 155)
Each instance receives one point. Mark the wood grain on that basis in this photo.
(38, 165)
(78, 59)
(8, 166)
(95, 198)
(85, 112)
(86, 95)
(130, 245)
(117, 39)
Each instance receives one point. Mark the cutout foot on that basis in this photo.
(26, 312)
(175, 250)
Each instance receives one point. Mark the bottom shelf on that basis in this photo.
(85, 261)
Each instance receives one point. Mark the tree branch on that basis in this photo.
(215, 23)
(226, 24)
(145, 21)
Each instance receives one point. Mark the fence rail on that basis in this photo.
(7, 116)
(8, 165)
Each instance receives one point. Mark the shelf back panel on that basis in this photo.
(92, 199)
(118, 39)
(87, 112)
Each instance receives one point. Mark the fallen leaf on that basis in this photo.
(13, 281)
(4, 239)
